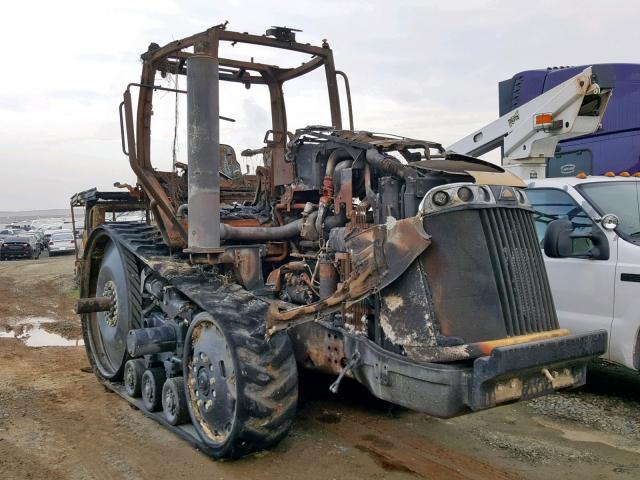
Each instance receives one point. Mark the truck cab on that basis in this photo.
(589, 229)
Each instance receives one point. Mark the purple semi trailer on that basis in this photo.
(613, 148)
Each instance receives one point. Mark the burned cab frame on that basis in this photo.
(100, 207)
(385, 259)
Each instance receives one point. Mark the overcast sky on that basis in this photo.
(426, 69)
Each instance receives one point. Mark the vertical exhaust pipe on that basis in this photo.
(203, 138)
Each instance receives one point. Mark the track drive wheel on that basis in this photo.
(133, 371)
(105, 333)
(174, 401)
(241, 389)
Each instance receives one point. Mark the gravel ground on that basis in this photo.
(533, 450)
(605, 413)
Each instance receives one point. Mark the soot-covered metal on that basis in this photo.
(374, 257)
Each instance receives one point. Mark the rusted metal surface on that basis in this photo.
(344, 197)
(328, 278)
(172, 58)
(92, 305)
(320, 349)
(248, 267)
(379, 256)
(240, 189)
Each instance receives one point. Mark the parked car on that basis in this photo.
(19, 247)
(8, 232)
(47, 233)
(39, 236)
(590, 231)
(61, 242)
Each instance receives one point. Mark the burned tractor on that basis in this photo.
(380, 258)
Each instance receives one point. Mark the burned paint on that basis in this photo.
(393, 302)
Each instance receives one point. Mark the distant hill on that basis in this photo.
(7, 217)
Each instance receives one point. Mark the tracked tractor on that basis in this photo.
(378, 258)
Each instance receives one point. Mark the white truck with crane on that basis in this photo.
(588, 226)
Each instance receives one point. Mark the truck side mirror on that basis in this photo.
(561, 241)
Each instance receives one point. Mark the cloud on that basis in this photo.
(427, 69)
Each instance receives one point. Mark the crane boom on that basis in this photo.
(529, 134)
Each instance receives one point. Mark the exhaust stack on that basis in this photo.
(203, 137)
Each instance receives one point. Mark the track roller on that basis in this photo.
(174, 401)
(133, 371)
(152, 382)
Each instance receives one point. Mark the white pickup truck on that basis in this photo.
(589, 229)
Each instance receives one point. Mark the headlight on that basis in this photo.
(456, 195)
(441, 198)
(465, 194)
(522, 198)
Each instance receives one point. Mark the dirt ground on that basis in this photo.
(57, 422)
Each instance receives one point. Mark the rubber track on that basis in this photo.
(135, 295)
(267, 371)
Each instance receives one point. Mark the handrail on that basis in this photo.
(348, 90)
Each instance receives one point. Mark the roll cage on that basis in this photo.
(171, 59)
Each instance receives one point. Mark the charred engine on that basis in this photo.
(392, 239)
(388, 238)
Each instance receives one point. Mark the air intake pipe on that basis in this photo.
(283, 232)
(203, 137)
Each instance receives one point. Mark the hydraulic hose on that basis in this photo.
(387, 164)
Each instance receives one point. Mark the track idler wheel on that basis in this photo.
(133, 371)
(105, 332)
(174, 401)
(152, 382)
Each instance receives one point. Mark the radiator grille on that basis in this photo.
(518, 267)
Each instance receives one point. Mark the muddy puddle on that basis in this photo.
(581, 434)
(40, 332)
